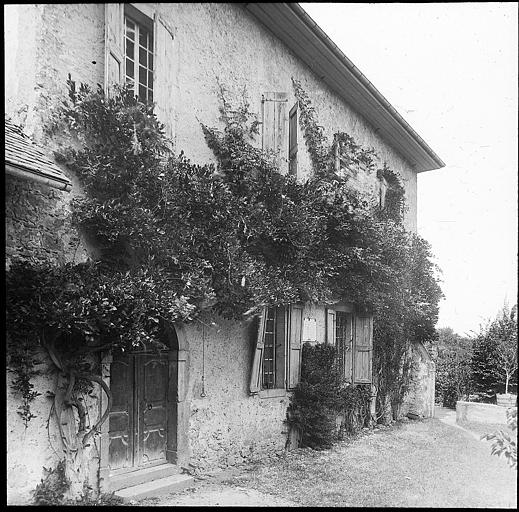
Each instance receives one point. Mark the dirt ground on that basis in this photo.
(430, 463)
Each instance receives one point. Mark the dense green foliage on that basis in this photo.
(174, 238)
(494, 361)
(322, 396)
(453, 367)
(392, 269)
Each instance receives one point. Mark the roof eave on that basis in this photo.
(411, 145)
(32, 174)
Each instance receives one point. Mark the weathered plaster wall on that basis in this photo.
(31, 449)
(38, 228)
(234, 49)
(49, 41)
(43, 44)
(228, 425)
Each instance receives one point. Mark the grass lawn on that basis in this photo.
(416, 464)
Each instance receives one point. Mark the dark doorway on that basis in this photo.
(142, 421)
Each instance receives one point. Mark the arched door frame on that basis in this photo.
(177, 450)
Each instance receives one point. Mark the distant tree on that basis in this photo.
(494, 362)
(453, 367)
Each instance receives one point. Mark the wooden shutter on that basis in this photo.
(275, 127)
(114, 49)
(164, 73)
(294, 346)
(330, 327)
(292, 141)
(348, 353)
(362, 349)
(255, 378)
(382, 192)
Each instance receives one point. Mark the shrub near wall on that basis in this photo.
(322, 397)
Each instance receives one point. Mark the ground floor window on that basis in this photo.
(277, 355)
(352, 335)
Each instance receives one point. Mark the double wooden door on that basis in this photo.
(138, 421)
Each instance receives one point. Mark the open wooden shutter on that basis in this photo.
(255, 377)
(330, 327)
(164, 74)
(275, 127)
(362, 349)
(294, 346)
(348, 353)
(292, 141)
(114, 49)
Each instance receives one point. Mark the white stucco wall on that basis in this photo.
(213, 43)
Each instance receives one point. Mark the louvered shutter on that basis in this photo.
(114, 50)
(330, 327)
(164, 74)
(294, 346)
(255, 378)
(362, 349)
(275, 127)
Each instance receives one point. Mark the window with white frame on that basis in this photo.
(138, 53)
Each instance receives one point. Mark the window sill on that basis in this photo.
(273, 393)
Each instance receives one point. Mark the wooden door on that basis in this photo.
(138, 419)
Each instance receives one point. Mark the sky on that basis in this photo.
(451, 71)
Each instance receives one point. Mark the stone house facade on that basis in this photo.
(214, 401)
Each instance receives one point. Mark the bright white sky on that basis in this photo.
(451, 70)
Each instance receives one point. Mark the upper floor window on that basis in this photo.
(138, 53)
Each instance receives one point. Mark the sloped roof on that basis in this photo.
(26, 159)
(290, 23)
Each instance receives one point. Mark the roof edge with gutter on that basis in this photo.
(21, 172)
(367, 86)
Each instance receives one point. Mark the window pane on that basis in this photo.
(130, 72)
(129, 48)
(150, 79)
(130, 29)
(142, 93)
(150, 95)
(143, 37)
(142, 56)
(150, 61)
(142, 75)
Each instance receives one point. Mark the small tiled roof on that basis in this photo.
(26, 156)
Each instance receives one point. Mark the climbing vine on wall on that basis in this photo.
(174, 238)
(404, 291)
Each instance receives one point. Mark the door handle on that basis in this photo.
(149, 407)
